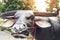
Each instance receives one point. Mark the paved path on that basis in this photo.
(4, 35)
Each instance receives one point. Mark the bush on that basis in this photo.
(9, 5)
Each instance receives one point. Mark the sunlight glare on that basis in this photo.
(0, 0)
(41, 5)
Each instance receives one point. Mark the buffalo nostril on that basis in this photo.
(16, 30)
(23, 24)
(14, 27)
(20, 29)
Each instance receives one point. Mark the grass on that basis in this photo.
(3, 28)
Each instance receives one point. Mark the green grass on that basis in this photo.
(3, 28)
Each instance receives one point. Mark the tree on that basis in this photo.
(2, 9)
(9, 5)
(52, 4)
(29, 5)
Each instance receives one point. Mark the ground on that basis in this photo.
(5, 35)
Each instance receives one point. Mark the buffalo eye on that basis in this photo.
(27, 18)
(31, 17)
